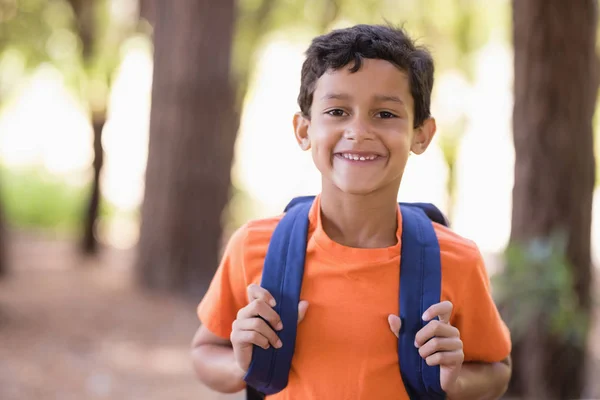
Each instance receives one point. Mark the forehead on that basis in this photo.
(374, 79)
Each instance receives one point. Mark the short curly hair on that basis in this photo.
(340, 47)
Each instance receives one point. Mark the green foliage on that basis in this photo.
(47, 31)
(41, 31)
(33, 198)
(537, 288)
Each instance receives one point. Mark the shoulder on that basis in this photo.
(459, 255)
(258, 230)
(251, 240)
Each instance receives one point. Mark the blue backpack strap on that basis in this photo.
(431, 211)
(282, 277)
(420, 288)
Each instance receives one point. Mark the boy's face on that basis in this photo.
(361, 127)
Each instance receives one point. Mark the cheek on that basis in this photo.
(323, 144)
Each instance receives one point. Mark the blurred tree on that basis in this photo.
(86, 19)
(198, 101)
(3, 260)
(555, 83)
(100, 35)
(193, 126)
(81, 38)
(21, 26)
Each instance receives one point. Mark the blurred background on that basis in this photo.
(136, 135)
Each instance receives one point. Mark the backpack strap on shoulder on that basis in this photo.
(431, 211)
(420, 288)
(282, 277)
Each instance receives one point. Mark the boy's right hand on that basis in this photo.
(249, 329)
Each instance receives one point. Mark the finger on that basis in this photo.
(442, 310)
(256, 292)
(440, 344)
(446, 358)
(248, 338)
(259, 326)
(260, 308)
(435, 328)
(302, 307)
(395, 324)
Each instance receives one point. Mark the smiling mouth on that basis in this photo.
(358, 157)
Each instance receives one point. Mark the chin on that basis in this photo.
(358, 190)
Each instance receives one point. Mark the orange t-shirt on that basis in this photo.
(344, 346)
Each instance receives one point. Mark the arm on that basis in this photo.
(215, 364)
(482, 381)
(439, 343)
(221, 364)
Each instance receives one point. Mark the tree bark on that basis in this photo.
(3, 238)
(85, 15)
(555, 87)
(193, 126)
(90, 243)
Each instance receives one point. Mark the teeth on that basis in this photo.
(358, 158)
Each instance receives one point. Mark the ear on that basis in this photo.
(301, 125)
(423, 136)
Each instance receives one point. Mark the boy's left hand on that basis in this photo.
(438, 343)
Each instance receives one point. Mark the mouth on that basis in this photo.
(360, 157)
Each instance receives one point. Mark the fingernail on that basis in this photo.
(416, 344)
(279, 326)
(278, 344)
(272, 303)
(425, 317)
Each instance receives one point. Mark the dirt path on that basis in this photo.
(70, 333)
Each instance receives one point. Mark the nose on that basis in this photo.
(358, 130)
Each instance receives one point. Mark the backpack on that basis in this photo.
(420, 287)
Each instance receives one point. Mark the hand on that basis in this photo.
(249, 329)
(439, 344)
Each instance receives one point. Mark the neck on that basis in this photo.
(360, 221)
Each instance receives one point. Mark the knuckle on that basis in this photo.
(434, 343)
(433, 359)
(256, 323)
(254, 336)
(436, 326)
(256, 305)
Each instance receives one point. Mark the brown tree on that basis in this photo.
(193, 127)
(86, 26)
(555, 86)
(3, 238)
(100, 37)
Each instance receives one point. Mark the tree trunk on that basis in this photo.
(193, 127)
(3, 238)
(147, 11)
(90, 244)
(555, 92)
(85, 14)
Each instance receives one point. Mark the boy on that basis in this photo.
(364, 99)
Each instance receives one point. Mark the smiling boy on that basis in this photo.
(364, 107)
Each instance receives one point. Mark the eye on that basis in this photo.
(386, 115)
(336, 112)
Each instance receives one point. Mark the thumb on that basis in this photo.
(302, 307)
(395, 324)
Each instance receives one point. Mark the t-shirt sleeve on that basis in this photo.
(483, 332)
(226, 294)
